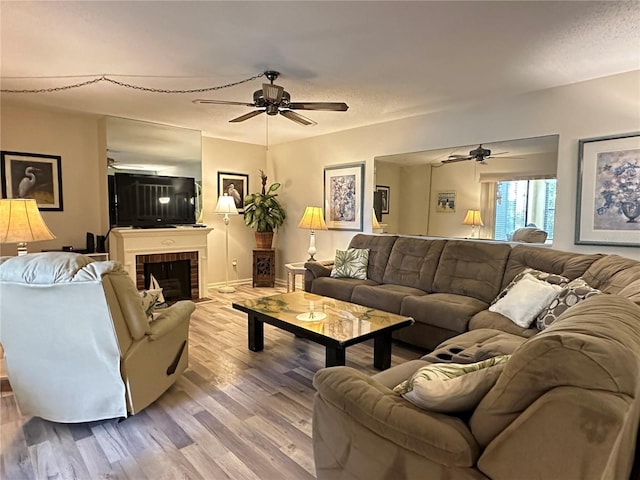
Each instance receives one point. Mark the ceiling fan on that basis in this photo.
(273, 99)
(479, 154)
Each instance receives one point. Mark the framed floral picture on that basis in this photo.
(608, 203)
(32, 175)
(343, 196)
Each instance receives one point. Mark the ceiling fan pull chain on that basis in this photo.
(105, 78)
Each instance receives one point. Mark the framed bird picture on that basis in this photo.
(235, 185)
(32, 175)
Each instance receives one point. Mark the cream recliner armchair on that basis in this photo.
(78, 344)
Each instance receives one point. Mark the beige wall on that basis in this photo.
(589, 109)
(75, 138)
(226, 156)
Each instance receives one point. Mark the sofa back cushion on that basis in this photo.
(570, 265)
(413, 262)
(379, 247)
(595, 345)
(612, 273)
(471, 268)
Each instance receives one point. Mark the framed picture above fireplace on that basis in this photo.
(235, 185)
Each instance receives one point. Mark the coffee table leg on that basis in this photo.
(335, 356)
(256, 334)
(382, 351)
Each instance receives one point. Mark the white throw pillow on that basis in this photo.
(525, 300)
(452, 387)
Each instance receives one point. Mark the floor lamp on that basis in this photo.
(21, 222)
(312, 220)
(226, 206)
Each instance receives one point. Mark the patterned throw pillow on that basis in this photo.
(149, 300)
(573, 293)
(452, 387)
(552, 278)
(351, 263)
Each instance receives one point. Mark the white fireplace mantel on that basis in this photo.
(126, 243)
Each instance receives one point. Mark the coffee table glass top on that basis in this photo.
(329, 317)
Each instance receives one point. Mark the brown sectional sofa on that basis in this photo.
(566, 406)
(448, 285)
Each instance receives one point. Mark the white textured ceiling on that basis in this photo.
(387, 60)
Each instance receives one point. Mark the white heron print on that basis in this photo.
(32, 176)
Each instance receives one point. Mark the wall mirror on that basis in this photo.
(431, 192)
(140, 147)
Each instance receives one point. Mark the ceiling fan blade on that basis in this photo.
(330, 106)
(499, 153)
(460, 157)
(222, 102)
(272, 92)
(296, 117)
(246, 116)
(454, 160)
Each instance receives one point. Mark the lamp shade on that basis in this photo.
(313, 219)
(374, 221)
(226, 205)
(473, 218)
(20, 221)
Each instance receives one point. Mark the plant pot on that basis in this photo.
(264, 240)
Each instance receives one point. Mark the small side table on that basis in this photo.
(264, 267)
(293, 269)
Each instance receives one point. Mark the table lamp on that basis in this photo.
(226, 206)
(473, 218)
(374, 222)
(313, 220)
(21, 222)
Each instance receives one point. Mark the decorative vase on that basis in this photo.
(631, 210)
(264, 240)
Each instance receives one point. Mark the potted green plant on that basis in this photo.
(264, 212)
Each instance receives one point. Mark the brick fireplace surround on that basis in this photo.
(133, 247)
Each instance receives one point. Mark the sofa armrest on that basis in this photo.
(170, 318)
(318, 269)
(443, 439)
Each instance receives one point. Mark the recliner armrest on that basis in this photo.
(173, 316)
(441, 438)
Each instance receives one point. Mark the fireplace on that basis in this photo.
(177, 272)
(136, 247)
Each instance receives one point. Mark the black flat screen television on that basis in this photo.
(146, 201)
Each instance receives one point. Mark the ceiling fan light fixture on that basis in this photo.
(272, 92)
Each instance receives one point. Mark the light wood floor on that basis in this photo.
(233, 414)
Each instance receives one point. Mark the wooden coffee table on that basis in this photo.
(327, 321)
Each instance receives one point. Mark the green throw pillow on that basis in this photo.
(149, 300)
(351, 263)
(452, 387)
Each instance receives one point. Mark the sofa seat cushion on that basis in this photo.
(399, 373)
(497, 321)
(594, 346)
(444, 310)
(387, 297)
(338, 288)
(475, 346)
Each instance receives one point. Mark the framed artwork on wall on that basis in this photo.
(608, 202)
(384, 195)
(235, 185)
(32, 175)
(446, 202)
(343, 196)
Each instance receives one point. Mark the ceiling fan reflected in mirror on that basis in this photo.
(273, 100)
(479, 154)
